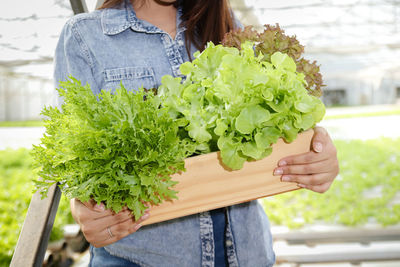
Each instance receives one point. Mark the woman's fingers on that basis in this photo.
(322, 188)
(112, 239)
(313, 179)
(321, 149)
(310, 168)
(124, 228)
(113, 233)
(97, 223)
(93, 226)
(120, 224)
(87, 211)
(319, 139)
(315, 169)
(92, 205)
(304, 158)
(114, 218)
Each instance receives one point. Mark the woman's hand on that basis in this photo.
(314, 170)
(102, 227)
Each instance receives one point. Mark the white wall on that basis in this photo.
(22, 98)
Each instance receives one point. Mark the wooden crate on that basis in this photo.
(207, 184)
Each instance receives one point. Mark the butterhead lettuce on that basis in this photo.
(239, 102)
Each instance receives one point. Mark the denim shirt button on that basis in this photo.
(208, 247)
(166, 39)
(228, 243)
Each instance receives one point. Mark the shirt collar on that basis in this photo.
(121, 17)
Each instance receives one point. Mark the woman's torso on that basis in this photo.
(108, 46)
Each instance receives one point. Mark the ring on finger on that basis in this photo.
(109, 232)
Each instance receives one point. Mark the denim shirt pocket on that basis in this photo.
(132, 78)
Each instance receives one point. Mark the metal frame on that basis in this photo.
(78, 6)
(99, 3)
(319, 254)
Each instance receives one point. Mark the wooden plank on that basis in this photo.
(35, 233)
(363, 236)
(207, 184)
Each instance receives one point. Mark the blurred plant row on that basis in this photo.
(367, 190)
(15, 194)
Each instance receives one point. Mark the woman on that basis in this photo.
(137, 42)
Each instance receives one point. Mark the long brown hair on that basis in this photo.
(205, 20)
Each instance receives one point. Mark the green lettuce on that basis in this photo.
(240, 102)
(113, 148)
(122, 148)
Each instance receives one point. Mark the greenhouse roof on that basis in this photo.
(343, 35)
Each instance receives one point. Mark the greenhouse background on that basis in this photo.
(357, 45)
(355, 42)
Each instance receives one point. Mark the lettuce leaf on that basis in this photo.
(114, 148)
(240, 102)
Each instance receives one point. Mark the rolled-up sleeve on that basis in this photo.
(72, 58)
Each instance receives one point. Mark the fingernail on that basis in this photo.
(138, 226)
(99, 207)
(145, 216)
(301, 185)
(318, 147)
(282, 163)
(278, 171)
(285, 179)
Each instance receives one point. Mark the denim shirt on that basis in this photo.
(108, 46)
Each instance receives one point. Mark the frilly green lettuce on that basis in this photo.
(113, 148)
